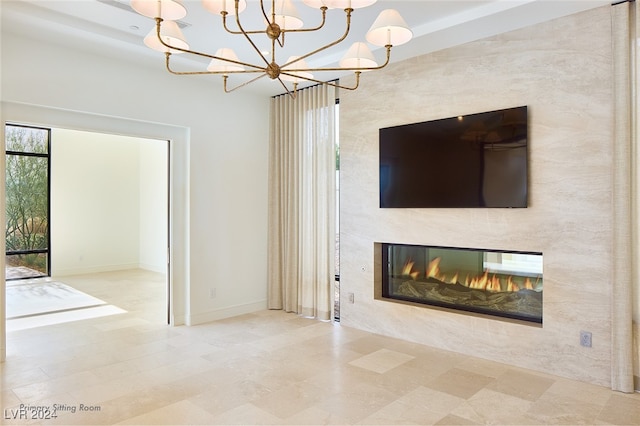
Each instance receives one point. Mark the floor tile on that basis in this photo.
(182, 412)
(522, 384)
(452, 419)
(290, 400)
(487, 406)
(460, 383)
(420, 406)
(269, 367)
(358, 402)
(245, 415)
(556, 409)
(621, 409)
(381, 360)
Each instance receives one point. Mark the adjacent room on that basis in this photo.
(84, 220)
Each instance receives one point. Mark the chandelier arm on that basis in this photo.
(272, 22)
(273, 11)
(234, 32)
(304, 30)
(294, 94)
(295, 88)
(273, 50)
(281, 42)
(346, 33)
(226, 90)
(328, 83)
(339, 86)
(272, 69)
(168, 66)
(204, 55)
(246, 35)
(386, 62)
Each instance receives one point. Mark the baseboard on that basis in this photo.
(153, 268)
(635, 329)
(231, 311)
(94, 269)
(178, 319)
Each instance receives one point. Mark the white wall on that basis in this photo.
(562, 70)
(108, 203)
(153, 202)
(218, 166)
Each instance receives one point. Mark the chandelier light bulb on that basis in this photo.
(218, 65)
(217, 6)
(389, 29)
(358, 56)
(171, 34)
(349, 4)
(287, 16)
(170, 10)
(317, 4)
(298, 76)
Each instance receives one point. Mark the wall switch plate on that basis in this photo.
(351, 297)
(585, 339)
(212, 293)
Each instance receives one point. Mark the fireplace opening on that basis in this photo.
(505, 284)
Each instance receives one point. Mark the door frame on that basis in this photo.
(178, 237)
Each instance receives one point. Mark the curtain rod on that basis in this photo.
(308, 87)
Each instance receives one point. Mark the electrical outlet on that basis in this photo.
(585, 339)
(212, 293)
(351, 298)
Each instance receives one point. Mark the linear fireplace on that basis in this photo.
(505, 284)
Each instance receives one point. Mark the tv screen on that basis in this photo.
(477, 160)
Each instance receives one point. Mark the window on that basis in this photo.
(27, 201)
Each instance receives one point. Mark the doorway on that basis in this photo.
(109, 202)
(179, 257)
(109, 211)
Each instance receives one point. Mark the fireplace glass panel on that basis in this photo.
(500, 283)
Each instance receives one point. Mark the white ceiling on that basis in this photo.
(112, 28)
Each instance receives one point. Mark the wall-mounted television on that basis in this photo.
(477, 160)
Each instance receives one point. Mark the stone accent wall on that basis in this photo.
(562, 70)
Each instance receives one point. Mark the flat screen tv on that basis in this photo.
(477, 160)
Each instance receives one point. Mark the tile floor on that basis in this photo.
(32, 297)
(268, 368)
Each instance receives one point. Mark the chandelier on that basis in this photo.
(388, 30)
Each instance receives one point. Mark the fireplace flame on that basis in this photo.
(486, 281)
(433, 270)
(407, 270)
(408, 266)
(512, 286)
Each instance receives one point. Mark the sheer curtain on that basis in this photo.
(626, 205)
(301, 239)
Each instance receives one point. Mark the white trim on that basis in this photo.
(229, 312)
(98, 269)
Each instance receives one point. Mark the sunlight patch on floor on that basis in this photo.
(62, 317)
(41, 297)
(42, 302)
